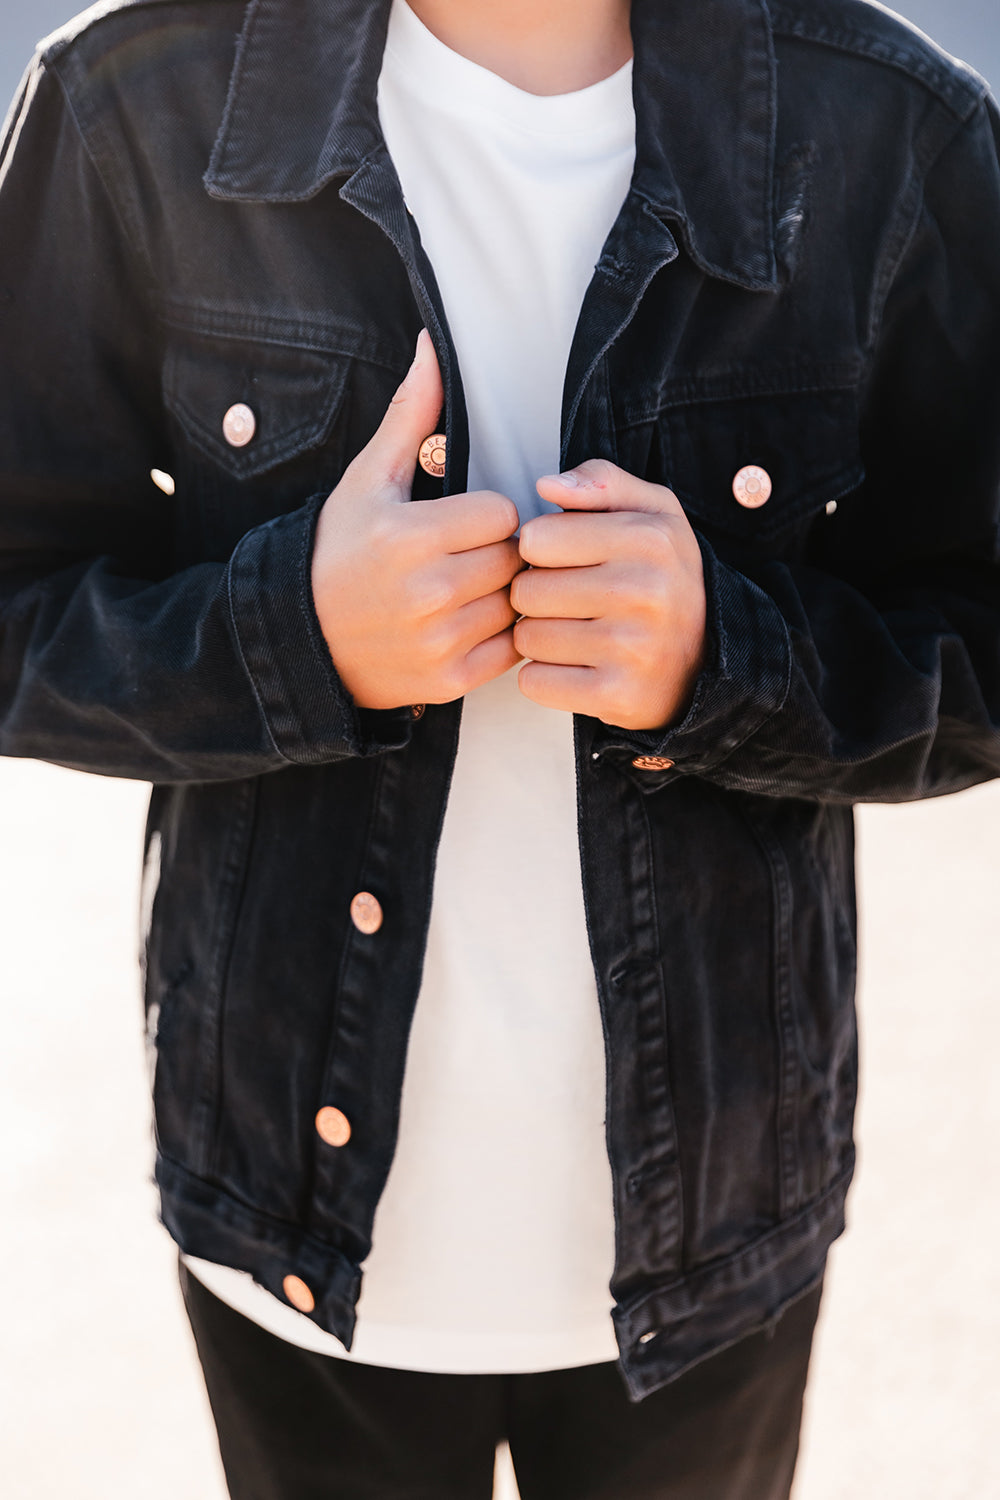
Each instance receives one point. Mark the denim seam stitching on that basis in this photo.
(934, 77)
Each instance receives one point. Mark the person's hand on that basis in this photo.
(613, 602)
(413, 598)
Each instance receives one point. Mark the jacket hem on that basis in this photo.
(659, 1336)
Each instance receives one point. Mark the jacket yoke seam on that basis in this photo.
(955, 85)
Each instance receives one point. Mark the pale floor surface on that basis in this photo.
(100, 1397)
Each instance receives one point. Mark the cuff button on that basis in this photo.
(298, 1294)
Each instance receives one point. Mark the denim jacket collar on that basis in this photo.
(302, 112)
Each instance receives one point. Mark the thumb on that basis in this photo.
(598, 484)
(390, 458)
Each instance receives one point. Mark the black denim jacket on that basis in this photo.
(197, 209)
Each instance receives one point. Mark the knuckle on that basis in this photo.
(494, 619)
(598, 471)
(649, 605)
(531, 536)
(615, 699)
(507, 515)
(441, 641)
(634, 651)
(456, 680)
(495, 511)
(528, 679)
(644, 592)
(412, 596)
(509, 563)
(520, 593)
(523, 637)
(427, 597)
(440, 592)
(505, 609)
(653, 541)
(539, 540)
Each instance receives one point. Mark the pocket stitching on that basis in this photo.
(263, 453)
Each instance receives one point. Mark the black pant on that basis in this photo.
(294, 1425)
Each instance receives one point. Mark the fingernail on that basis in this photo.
(568, 480)
(417, 351)
(404, 383)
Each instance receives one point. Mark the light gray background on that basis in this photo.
(99, 1392)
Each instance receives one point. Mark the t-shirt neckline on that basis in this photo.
(455, 82)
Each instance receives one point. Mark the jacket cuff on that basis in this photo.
(309, 714)
(744, 682)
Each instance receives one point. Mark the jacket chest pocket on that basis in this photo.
(755, 473)
(257, 429)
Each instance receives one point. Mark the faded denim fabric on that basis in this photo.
(197, 209)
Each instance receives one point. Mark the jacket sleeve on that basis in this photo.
(871, 671)
(112, 657)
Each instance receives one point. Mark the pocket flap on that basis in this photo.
(293, 394)
(806, 443)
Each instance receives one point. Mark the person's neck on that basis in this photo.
(541, 46)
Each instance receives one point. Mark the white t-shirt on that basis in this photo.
(493, 1244)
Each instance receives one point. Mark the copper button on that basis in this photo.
(652, 763)
(298, 1294)
(239, 426)
(366, 913)
(433, 452)
(418, 710)
(333, 1126)
(752, 486)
